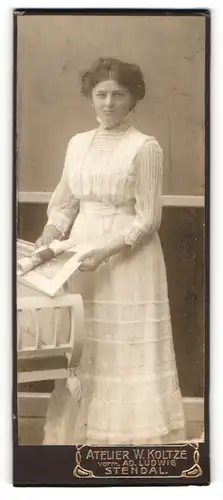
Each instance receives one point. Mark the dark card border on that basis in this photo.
(54, 465)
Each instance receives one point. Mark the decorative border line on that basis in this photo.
(194, 471)
(168, 200)
(79, 471)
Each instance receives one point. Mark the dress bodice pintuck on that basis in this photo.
(106, 172)
(118, 166)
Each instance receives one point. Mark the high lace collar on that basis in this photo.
(119, 128)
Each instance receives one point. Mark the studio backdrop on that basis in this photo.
(52, 52)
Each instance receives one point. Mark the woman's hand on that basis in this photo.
(49, 234)
(91, 260)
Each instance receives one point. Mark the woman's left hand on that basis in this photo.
(91, 260)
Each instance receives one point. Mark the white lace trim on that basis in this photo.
(133, 379)
(121, 303)
(150, 431)
(142, 401)
(127, 341)
(125, 322)
(59, 221)
(55, 435)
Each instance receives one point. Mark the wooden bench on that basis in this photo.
(72, 349)
(55, 359)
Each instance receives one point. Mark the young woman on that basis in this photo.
(109, 196)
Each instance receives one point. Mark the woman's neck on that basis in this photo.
(120, 126)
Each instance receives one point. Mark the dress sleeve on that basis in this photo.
(148, 192)
(63, 206)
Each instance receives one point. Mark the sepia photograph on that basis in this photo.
(111, 160)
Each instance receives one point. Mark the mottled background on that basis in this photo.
(52, 52)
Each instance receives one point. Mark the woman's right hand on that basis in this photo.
(49, 234)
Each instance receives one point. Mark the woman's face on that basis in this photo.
(112, 102)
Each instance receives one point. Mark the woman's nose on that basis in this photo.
(109, 100)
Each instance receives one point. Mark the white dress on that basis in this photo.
(111, 186)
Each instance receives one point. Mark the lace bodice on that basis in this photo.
(105, 174)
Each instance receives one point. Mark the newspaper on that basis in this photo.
(48, 268)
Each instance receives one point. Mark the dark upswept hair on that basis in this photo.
(126, 74)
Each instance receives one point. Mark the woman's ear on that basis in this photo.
(91, 98)
(132, 105)
(132, 108)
